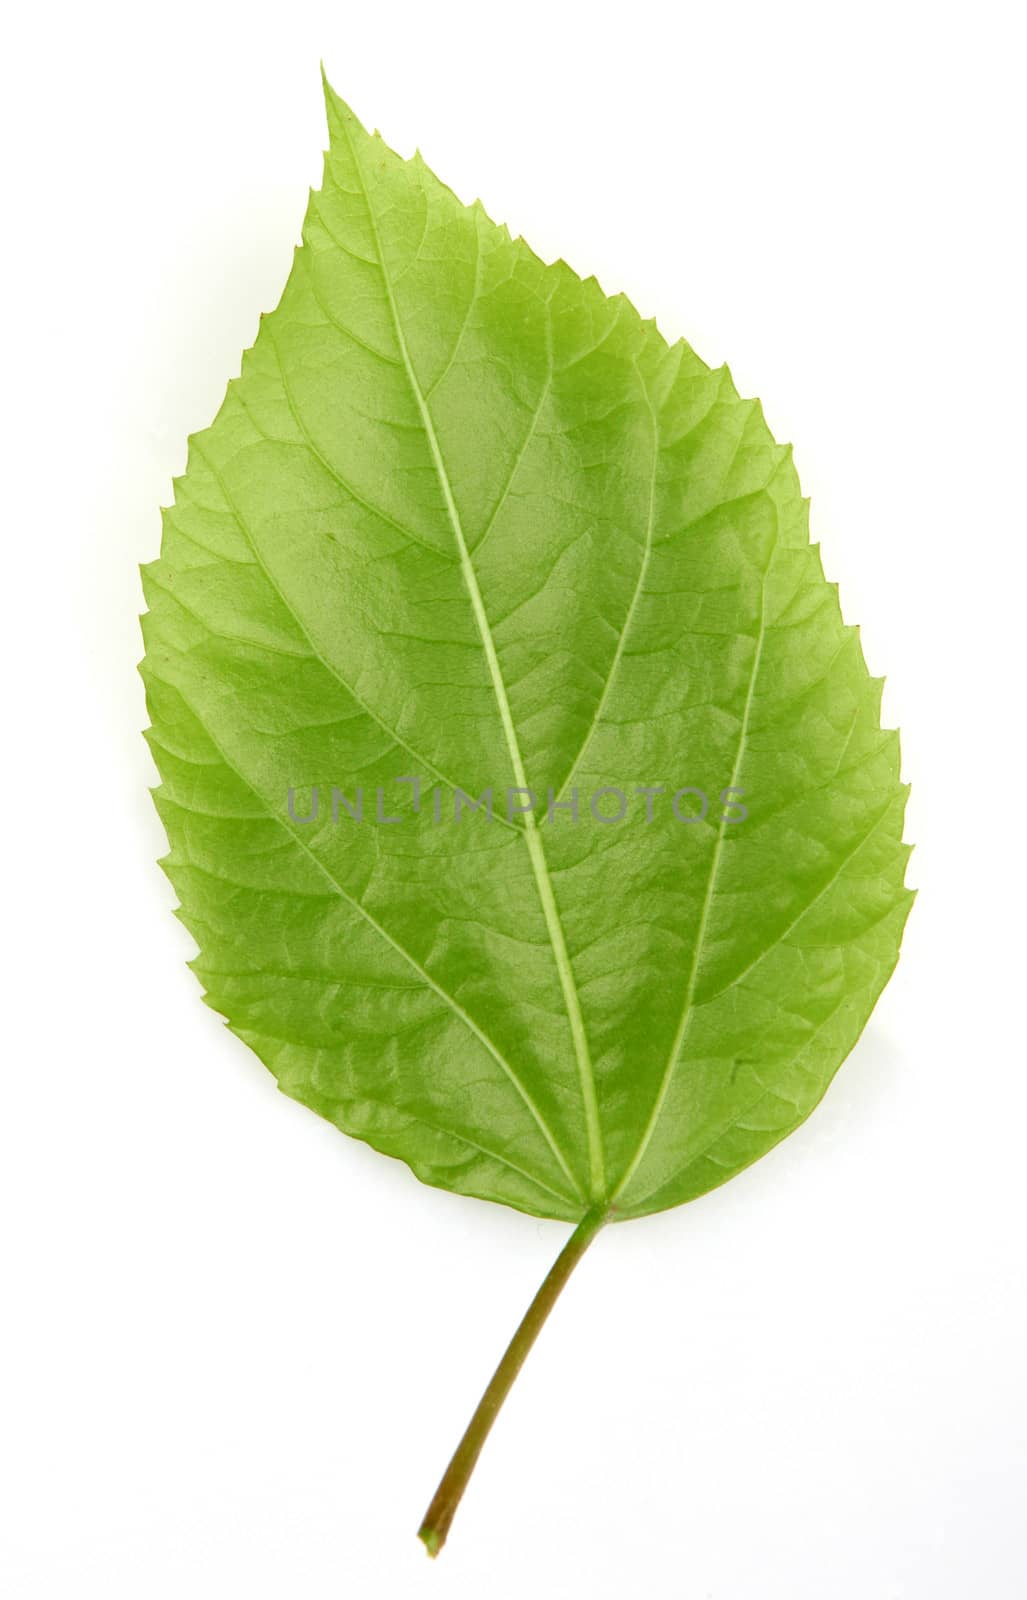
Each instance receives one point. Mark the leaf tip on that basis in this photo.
(330, 97)
(337, 113)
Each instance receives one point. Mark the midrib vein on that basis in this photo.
(536, 853)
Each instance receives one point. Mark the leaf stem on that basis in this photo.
(440, 1513)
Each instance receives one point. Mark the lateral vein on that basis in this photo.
(643, 568)
(711, 884)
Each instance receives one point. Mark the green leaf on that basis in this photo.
(464, 518)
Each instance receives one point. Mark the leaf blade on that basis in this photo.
(476, 519)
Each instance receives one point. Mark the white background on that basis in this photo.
(237, 1347)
